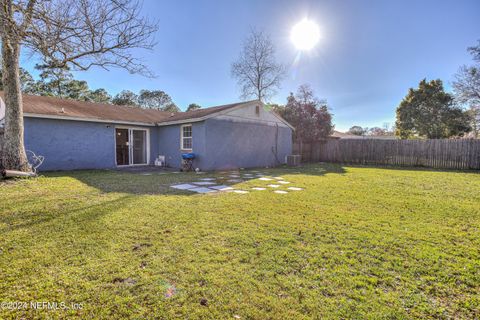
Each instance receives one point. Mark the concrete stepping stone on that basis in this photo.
(221, 188)
(146, 174)
(265, 179)
(234, 180)
(204, 183)
(202, 190)
(278, 178)
(280, 191)
(240, 191)
(283, 182)
(207, 179)
(259, 188)
(273, 185)
(295, 188)
(184, 186)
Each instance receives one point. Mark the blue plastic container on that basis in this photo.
(188, 156)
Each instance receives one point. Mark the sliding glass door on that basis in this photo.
(139, 146)
(122, 138)
(131, 146)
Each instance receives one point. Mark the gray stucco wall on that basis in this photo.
(169, 144)
(244, 145)
(72, 145)
(218, 144)
(223, 144)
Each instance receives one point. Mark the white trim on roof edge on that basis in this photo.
(48, 116)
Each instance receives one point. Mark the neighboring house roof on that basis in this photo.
(344, 135)
(50, 107)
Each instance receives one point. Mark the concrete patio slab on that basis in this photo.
(221, 188)
(204, 183)
(202, 190)
(184, 186)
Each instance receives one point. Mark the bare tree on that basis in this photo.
(76, 34)
(466, 86)
(257, 73)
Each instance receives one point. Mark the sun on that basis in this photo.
(305, 35)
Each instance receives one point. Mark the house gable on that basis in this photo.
(253, 113)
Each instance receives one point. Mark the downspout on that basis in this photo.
(275, 148)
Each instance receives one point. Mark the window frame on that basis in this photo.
(182, 137)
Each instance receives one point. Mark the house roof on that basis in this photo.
(340, 135)
(50, 107)
(344, 135)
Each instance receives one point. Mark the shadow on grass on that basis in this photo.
(148, 182)
(90, 213)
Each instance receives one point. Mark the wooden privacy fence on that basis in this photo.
(435, 153)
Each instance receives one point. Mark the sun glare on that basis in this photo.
(305, 35)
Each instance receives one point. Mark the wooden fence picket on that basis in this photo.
(436, 153)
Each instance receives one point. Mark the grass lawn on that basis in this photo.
(358, 242)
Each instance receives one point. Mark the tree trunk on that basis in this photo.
(14, 156)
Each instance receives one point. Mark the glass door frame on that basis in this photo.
(130, 145)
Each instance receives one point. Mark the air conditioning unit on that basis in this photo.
(293, 159)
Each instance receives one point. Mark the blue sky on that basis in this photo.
(371, 52)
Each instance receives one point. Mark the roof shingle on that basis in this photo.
(50, 106)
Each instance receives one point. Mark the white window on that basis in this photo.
(186, 137)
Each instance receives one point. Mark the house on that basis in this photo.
(343, 135)
(82, 135)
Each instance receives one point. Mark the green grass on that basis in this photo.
(358, 242)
